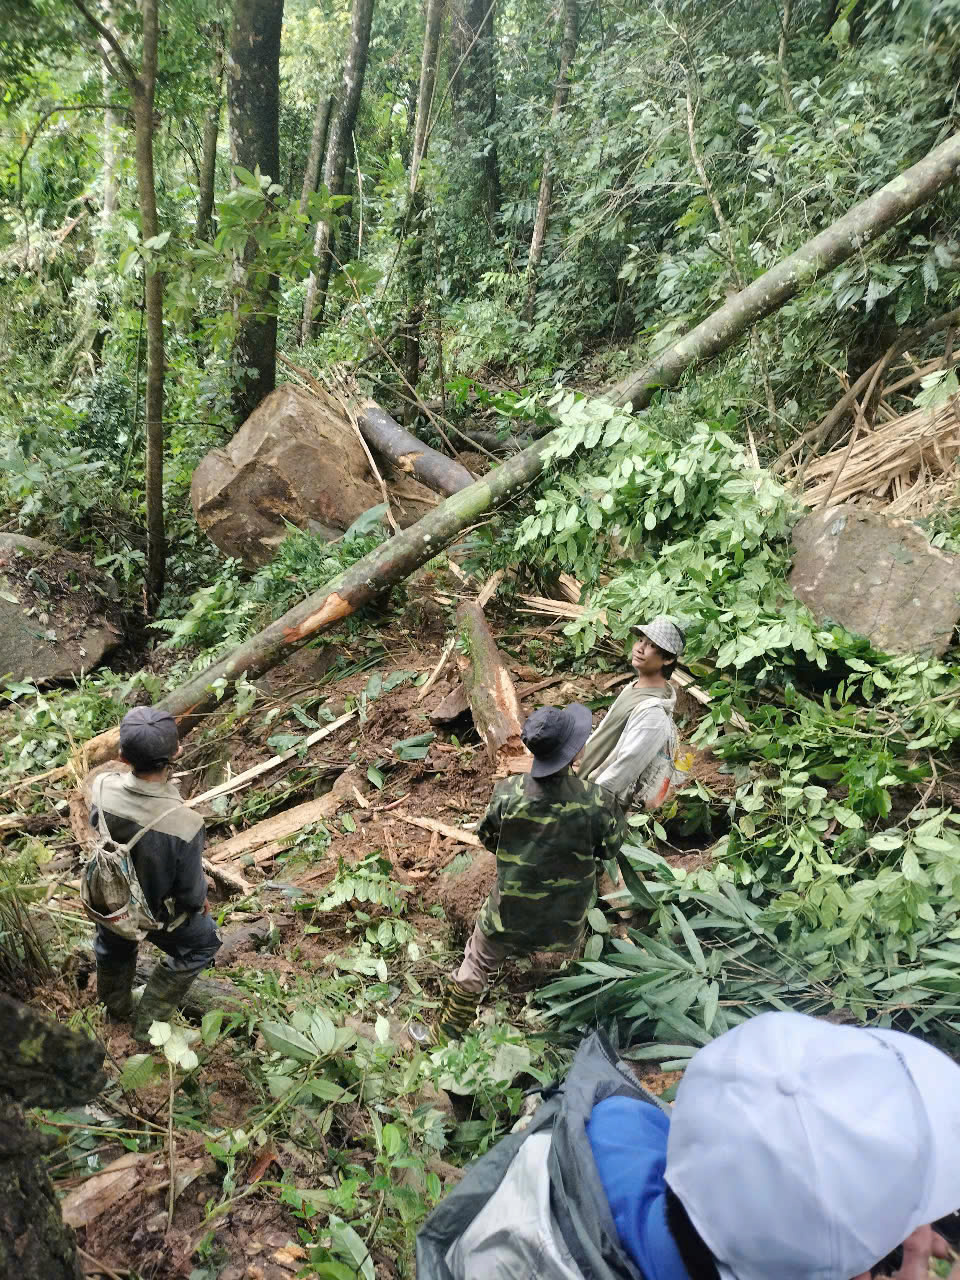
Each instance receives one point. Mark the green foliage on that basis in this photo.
(366, 881)
(234, 605)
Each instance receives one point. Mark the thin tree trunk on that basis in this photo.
(339, 148)
(318, 144)
(110, 153)
(848, 235)
(474, 88)
(415, 208)
(211, 136)
(782, 55)
(143, 97)
(568, 51)
(253, 91)
(142, 88)
(395, 559)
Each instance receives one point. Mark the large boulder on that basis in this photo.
(53, 612)
(878, 577)
(294, 460)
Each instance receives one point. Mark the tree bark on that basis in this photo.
(318, 144)
(414, 219)
(848, 235)
(41, 1064)
(435, 470)
(211, 136)
(397, 558)
(110, 152)
(474, 88)
(143, 89)
(489, 689)
(339, 147)
(568, 51)
(253, 92)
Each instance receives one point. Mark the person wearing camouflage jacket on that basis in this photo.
(548, 830)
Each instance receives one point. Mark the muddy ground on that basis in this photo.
(446, 881)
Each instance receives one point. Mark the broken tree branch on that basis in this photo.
(493, 698)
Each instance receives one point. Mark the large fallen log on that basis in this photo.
(399, 556)
(848, 235)
(489, 688)
(349, 591)
(397, 444)
(41, 1064)
(435, 470)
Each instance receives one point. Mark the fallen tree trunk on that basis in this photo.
(42, 1064)
(848, 235)
(397, 558)
(203, 994)
(349, 591)
(435, 470)
(493, 699)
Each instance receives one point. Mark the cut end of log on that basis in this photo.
(333, 608)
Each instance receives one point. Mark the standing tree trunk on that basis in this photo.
(568, 50)
(142, 86)
(318, 144)
(110, 120)
(415, 207)
(399, 556)
(339, 148)
(253, 94)
(42, 1064)
(474, 87)
(211, 136)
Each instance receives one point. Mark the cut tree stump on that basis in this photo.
(41, 1064)
(489, 688)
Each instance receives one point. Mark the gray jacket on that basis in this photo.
(534, 1206)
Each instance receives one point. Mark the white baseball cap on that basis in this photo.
(802, 1150)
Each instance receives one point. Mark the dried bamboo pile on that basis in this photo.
(908, 466)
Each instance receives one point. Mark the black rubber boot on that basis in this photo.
(115, 981)
(161, 997)
(457, 1012)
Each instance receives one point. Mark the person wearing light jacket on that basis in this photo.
(631, 754)
(796, 1149)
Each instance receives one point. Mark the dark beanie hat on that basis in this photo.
(148, 738)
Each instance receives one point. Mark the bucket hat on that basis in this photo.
(555, 735)
(148, 737)
(664, 633)
(808, 1151)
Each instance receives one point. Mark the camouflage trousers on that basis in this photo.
(482, 958)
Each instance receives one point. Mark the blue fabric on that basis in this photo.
(629, 1142)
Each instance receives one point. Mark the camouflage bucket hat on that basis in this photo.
(664, 633)
(555, 735)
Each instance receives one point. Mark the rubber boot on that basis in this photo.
(457, 1012)
(115, 987)
(161, 997)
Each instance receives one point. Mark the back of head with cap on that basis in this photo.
(148, 738)
(809, 1151)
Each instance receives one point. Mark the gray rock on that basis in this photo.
(293, 461)
(52, 623)
(878, 577)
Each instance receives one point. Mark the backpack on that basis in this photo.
(110, 891)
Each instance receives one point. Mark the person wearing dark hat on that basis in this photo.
(631, 754)
(168, 859)
(548, 829)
